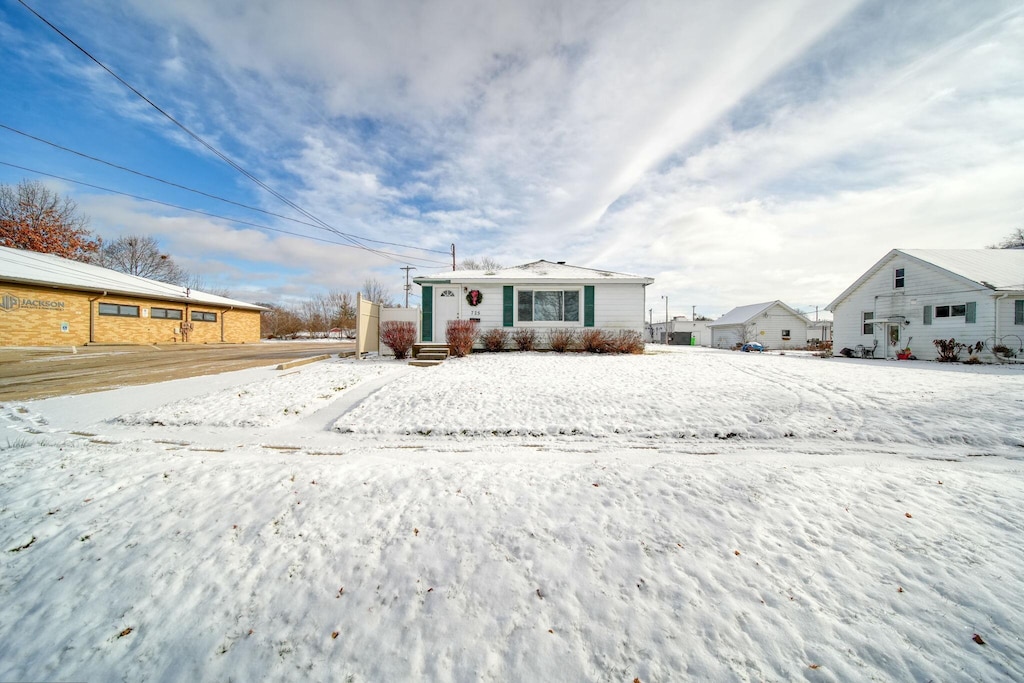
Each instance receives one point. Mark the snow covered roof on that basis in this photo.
(34, 268)
(537, 271)
(744, 314)
(996, 269)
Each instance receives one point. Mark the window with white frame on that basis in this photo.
(549, 305)
(868, 327)
(899, 279)
(954, 311)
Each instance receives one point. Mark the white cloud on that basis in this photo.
(737, 152)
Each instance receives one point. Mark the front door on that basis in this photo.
(892, 334)
(446, 307)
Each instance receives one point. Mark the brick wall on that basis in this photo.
(39, 316)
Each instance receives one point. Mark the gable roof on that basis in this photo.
(995, 269)
(34, 268)
(536, 271)
(744, 314)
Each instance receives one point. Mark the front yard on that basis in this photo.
(690, 514)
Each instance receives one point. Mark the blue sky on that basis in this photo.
(736, 152)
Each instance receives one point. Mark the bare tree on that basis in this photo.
(140, 255)
(748, 332)
(1014, 241)
(481, 263)
(34, 217)
(279, 321)
(377, 293)
(342, 307)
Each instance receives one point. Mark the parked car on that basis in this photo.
(752, 346)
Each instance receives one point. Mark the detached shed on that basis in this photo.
(540, 295)
(772, 323)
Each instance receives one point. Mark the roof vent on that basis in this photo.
(561, 263)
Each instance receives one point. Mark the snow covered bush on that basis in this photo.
(461, 334)
(596, 341)
(495, 339)
(561, 338)
(627, 341)
(525, 339)
(400, 336)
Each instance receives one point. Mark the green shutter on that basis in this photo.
(927, 315)
(588, 305)
(508, 306)
(972, 312)
(1018, 312)
(427, 326)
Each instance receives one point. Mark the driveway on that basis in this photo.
(44, 372)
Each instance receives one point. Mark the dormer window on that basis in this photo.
(899, 279)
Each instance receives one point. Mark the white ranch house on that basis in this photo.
(970, 295)
(541, 295)
(772, 323)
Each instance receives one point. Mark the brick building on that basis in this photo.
(46, 300)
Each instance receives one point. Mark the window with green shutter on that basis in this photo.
(971, 312)
(508, 306)
(427, 324)
(1018, 312)
(588, 305)
(927, 315)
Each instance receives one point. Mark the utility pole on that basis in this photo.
(453, 256)
(665, 297)
(693, 313)
(407, 285)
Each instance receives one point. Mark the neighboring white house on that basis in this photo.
(681, 331)
(970, 295)
(772, 323)
(539, 295)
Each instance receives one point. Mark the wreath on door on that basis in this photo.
(475, 297)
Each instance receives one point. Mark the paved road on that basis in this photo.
(41, 373)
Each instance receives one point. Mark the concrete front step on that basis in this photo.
(432, 355)
(424, 363)
(419, 350)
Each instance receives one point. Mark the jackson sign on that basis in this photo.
(9, 302)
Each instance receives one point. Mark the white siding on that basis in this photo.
(924, 285)
(617, 306)
(767, 329)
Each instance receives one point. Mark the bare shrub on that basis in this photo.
(627, 341)
(596, 341)
(561, 338)
(460, 335)
(525, 339)
(495, 339)
(949, 350)
(400, 336)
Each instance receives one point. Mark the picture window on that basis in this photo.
(549, 305)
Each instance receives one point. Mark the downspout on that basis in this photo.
(995, 319)
(92, 318)
(222, 314)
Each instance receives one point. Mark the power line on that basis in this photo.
(196, 137)
(388, 254)
(207, 194)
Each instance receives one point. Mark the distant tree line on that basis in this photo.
(318, 315)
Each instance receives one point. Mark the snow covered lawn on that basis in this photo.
(684, 515)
